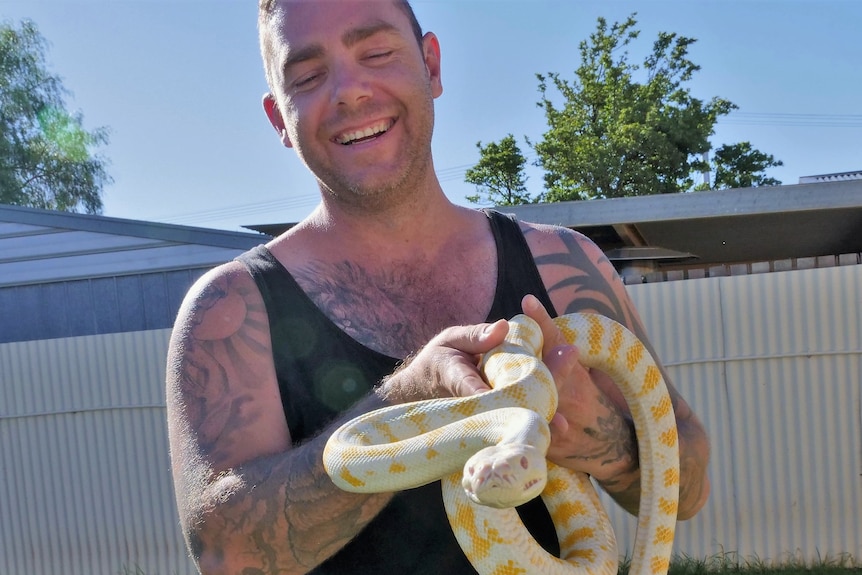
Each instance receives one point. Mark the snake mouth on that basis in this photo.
(530, 484)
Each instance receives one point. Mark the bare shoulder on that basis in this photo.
(577, 274)
(221, 384)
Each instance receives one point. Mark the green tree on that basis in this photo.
(47, 158)
(741, 166)
(614, 136)
(499, 175)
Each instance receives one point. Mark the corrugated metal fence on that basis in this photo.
(85, 481)
(770, 362)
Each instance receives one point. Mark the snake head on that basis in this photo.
(506, 475)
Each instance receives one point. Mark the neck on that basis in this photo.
(423, 217)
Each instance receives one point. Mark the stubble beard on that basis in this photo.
(402, 188)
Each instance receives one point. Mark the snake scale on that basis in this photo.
(489, 450)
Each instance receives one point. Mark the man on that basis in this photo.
(272, 352)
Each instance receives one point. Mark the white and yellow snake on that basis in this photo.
(409, 445)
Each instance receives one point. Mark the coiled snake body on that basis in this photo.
(489, 449)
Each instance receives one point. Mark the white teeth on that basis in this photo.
(350, 137)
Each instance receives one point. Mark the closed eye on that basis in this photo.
(308, 80)
(382, 54)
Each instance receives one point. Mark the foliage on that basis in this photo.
(740, 166)
(47, 158)
(499, 175)
(611, 136)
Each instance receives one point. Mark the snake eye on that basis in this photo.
(524, 463)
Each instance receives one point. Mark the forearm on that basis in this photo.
(279, 514)
(623, 483)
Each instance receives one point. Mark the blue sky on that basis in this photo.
(179, 83)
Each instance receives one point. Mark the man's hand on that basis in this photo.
(446, 366)
(590, 431)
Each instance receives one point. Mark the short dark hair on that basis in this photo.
(414, 23)
(267, 8)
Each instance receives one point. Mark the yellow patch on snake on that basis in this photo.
(668, 507)
(671, 477)
(354, 481)
(634, 355)
(595, 335)
(515, 393)
(659, 564)
(386, 430)
(584, 554)
(554, 486)
(663, 535)
(668, 437)
(397, 467)
(566, 511)
(569, 334)
(418, 418)
(508, 569)
(616, 343)
(480, 547)
(663, 408)
(582, 534)
(651, 379)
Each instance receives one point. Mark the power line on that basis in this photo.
(236, 210)
(794, 120)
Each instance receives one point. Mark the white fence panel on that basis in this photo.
(770, 362)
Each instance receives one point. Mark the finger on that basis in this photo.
(559, 424)
(534, 309)
(465, 378)
(474, 339)
(562, 361)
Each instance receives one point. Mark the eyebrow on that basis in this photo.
(356, 35)
(349, 38)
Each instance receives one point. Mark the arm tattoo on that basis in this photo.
(586, 280)
(281, 510)
(616, 434)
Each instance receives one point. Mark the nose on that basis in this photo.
(349, 85)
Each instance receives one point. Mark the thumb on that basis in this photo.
(474, 339)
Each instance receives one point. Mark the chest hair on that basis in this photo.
(395, 310)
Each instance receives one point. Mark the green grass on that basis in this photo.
(733, 564)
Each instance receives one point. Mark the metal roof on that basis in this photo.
(712, 227)
(721, 226)
(38, 246)
(857, 175)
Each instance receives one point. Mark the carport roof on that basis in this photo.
(714, 227)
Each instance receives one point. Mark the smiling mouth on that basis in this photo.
(349, 138)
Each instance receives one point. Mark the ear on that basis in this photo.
(270, 106)
(431, 54)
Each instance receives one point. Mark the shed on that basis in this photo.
(66, 275)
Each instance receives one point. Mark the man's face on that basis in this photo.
(353, 95)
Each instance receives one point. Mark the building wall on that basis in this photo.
(771, 362)
(86, 484)
(93, 306)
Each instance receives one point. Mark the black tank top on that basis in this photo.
(322, 371)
